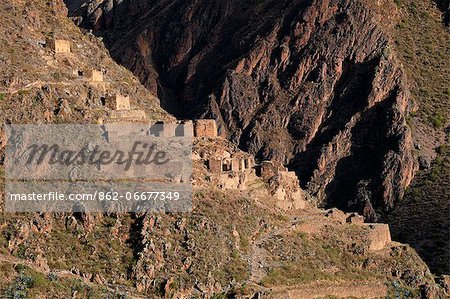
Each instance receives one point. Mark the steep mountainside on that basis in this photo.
(429, 195)
(313, 84)
(39, 86)
(330, 88)
(423, 45)
(234, 243)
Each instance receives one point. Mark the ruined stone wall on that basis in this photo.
(185, 128)
(95, 76)
(132, 113)
(118, 102)
(266, 170)
(354, 218)
(59, 45)
(379, 236)
(215, 166)
(205, 128)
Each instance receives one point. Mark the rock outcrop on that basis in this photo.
(311, 84)
(234, 243)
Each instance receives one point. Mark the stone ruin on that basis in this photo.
(379, 235)
(230, 170)
(283, 185)
(187, 128)
(117, 133)
(236, 163)
(60, 46)
(268, 169)
(118, 102)
(121, 111)
(354, 218)
(205, 128)
(177, 129)
(94, 76)
(157, 129)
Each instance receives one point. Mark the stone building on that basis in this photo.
(283, 185)
(354, 218)
(118, 102)
(214, 165)
(121, 111)
(222, 164)
(184, 128)
(267, 169)
(379, 236)
(94, 76)
(205, 128)
(177, 129)
(59, 45)
(238, 162)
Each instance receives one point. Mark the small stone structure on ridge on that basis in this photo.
(118, 102)
(379, 235)
(354, 218)
(205, 128)
(122, 112)
(60, 46)
(283, 185)
(94, 76)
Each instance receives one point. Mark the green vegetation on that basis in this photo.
(237, 268)
(23, 92)
(422, 43)
(21, 282)
(2, 96)
(291, 274)
(20, 287)
(109, 252)
(56, 76)
(438, 120)
(245, 244)
(427, 196)
(396, 289)
(326, 258)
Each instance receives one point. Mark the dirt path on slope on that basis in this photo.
(258, 254)
(369, 290)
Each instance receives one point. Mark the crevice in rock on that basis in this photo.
(350, 97)
(369, 146)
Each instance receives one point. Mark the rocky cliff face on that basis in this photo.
(235, 243)
(313, 84)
